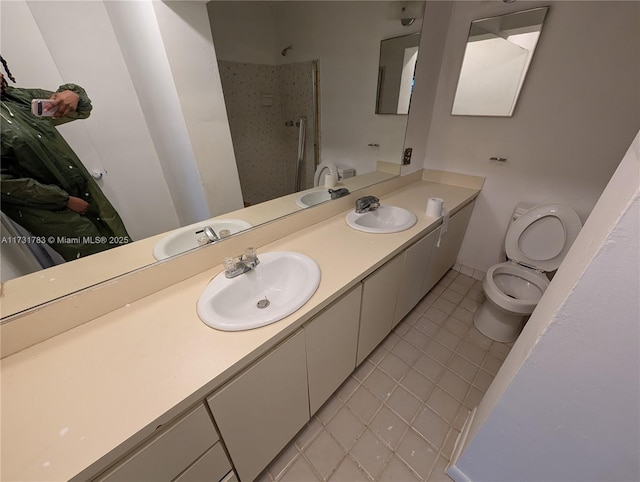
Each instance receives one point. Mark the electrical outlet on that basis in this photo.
(406, 158)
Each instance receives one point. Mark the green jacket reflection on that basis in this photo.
(39, 171)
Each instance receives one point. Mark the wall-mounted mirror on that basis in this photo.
(159, 132)
(398, 57)
(496, 59)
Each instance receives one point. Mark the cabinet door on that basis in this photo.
(213, 466)
(261, 410)
(379, 296)
(416, 262)
(169, 453)
(332, 341)
(444, 256)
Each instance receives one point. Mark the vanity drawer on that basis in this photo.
(169, 453)
(213, 466)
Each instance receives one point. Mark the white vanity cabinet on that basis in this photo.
(188, 447)
(379, 296)
(443, 257)
(425, 262)
(415, 265)
(259, 411)
(331, 342)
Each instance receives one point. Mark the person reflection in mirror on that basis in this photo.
(45, 187)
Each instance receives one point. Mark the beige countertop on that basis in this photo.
(104, 386)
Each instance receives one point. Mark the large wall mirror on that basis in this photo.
(496, 59)
(172, 137)
(398, 57)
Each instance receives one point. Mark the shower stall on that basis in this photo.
(273, 117)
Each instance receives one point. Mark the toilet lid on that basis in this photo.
(324, 167)
(541, 237)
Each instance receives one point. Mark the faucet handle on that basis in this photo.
(250, 253)
(229, 265)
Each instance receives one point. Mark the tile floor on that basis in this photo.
(398, 415)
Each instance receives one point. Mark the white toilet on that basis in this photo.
(537, 240)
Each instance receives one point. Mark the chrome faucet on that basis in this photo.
(210, 236)
(366, 204)
(245, 262)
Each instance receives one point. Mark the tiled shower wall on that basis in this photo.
(260, 100)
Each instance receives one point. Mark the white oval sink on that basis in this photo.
(185, 239)
(285, 278)
(385, 219)
(312, 198)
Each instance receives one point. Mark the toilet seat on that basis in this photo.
(318, 178)
(541, 237)
(525, 302)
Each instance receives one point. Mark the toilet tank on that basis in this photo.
(346, 172)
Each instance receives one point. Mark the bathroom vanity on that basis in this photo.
(149, 392)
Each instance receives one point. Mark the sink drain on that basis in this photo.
(262, 304)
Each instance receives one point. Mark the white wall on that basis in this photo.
(577, 113)
(345, 37)
(564, 406)
(186, 36)
(140, 41)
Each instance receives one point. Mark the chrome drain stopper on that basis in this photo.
(262, 304)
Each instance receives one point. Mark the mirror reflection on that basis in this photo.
(398, 57)
(162, 139)
(496, 59)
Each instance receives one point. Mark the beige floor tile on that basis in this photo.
(448, 339)
(393, 366)
(308, 433)
(444, 305)
(471, 352)
(454, 385)
(463, 368)
(427, 326)
(417, 384)
(406, 352)
(328, 410)
(435, 314)
(364, 404)
(349, 471)
(365, 368)
(431, 368)
(431, 426)
(348, 388)
(483, 380)
(457, 327)
(439, 352)
(417, 338)
(438, 473)
(417, 453)
(345, 428)
(404, 403)
(396, 470)
(389, 427)
(285, 460)
(443, 404)
(300, 471)
(380, 384)
(324, 453)
(370, 453)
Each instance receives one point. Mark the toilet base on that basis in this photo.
(497, 324)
